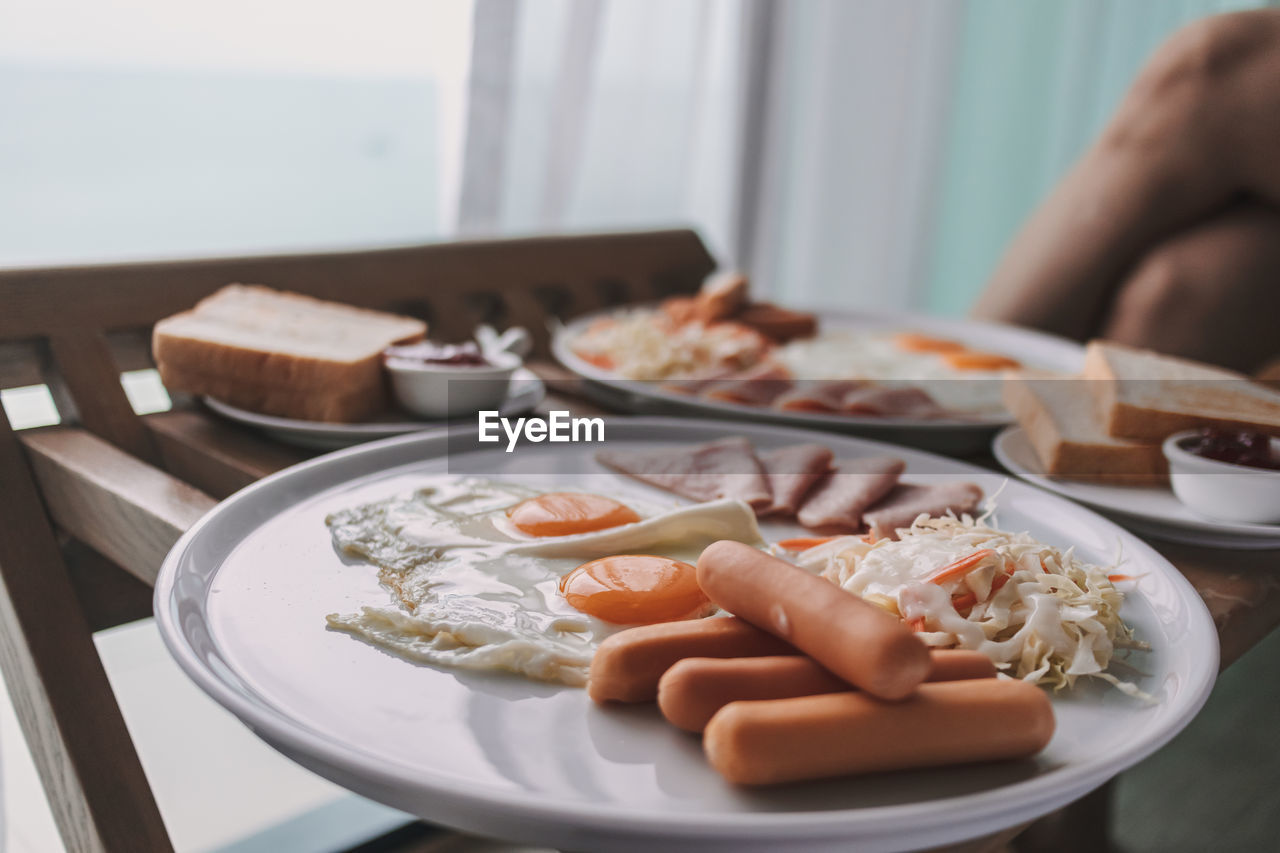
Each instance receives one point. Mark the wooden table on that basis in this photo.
(213, 458)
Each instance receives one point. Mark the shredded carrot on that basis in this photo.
(915, 342)
(869, 538)
(916, 624)
(960, 602)
(804, 543)
(598, 359)
(1118, 578)
(960, 567)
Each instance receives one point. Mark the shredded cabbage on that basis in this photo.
(1040, 614)
(643, 344)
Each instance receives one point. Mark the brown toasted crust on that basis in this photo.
(1114, 462)
(312, 404)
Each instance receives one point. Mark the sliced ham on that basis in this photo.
(892, 403)
(727, 468)
(908, 501)
(819, 396)
(792, 472)
(757, 386)
(839, 500)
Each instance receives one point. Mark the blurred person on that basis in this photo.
(1166, 233)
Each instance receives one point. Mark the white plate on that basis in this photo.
(527, 391)
(241, 601)
(1152, 510)
(942, 435)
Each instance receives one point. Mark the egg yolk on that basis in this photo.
(974, 360)
(635, 589)
(915, 342)
(566, 513)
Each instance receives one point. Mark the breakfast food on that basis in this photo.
(281, 353)
(1145, 396)
(909, 501)
(1061, 422)
(797, 480)
(792, 472)
(628, 665)
(840, 499)
(724, 347)
(811, 737)
(695, 688)
(1042, 615)
(866, 646)
(487, 575)
(727, 468)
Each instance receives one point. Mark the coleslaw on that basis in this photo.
(1041, 614)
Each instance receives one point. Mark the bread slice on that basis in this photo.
(1057, 414)
(281, 353)
(1146, 396)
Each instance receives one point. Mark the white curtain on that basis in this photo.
(846, 153)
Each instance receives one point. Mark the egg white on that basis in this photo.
(470, 591)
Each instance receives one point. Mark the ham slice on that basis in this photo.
(758, 386)
(819, 396)
(905, 503)
(892, 403)
(840, 499)
(792, 472)
(727, 468)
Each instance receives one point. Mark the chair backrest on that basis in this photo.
(75, 329)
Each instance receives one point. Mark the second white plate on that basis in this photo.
(1153, 510)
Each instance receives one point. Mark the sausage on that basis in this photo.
(627, 666)
(866, 646)
(721, 296)
(777, 323)
(839, 734)
(692, 690)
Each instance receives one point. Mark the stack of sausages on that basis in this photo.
(807, 681)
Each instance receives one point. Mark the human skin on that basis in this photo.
(1166, 233)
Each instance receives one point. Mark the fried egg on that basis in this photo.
(486, 575)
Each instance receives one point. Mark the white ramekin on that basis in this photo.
(452, 391)
(1223, 490)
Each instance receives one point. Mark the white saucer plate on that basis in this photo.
(527, 391)
(1150, 510)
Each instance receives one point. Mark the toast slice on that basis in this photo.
(1058, 416)
(281, 353)
(1146, 396)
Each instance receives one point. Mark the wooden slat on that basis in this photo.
(131, 350)
(19, 364)
(108, 595)
(91, 774)
(85, 363)
(124, 509)
(216, 457)
(47, 302)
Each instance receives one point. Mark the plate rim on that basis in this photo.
(813, 420)
(378, 429)
(1253, 532)
(1037, 795)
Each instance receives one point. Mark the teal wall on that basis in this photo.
(1035, 81)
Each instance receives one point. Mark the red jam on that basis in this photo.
(1252, 449)
(449, 355)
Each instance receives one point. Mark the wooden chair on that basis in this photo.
(90, 508)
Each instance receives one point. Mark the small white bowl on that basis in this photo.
(1223, 490)
(451, 391)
